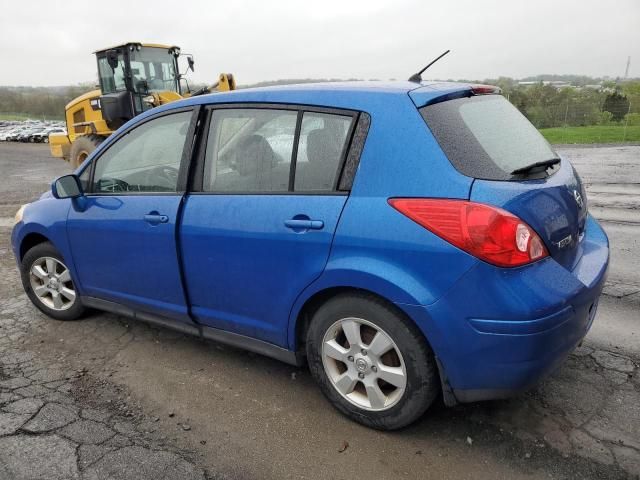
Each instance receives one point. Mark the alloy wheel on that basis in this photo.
(51, 282)
(364, 364)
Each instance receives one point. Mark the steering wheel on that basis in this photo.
(163, 176)
(201, 91)
(157, 83)
(113, 185)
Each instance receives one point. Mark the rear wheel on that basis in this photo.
(48, 284)
(82, 147)
(371, 362)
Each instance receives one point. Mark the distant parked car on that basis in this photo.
(405, 239)
(6, 135)
(42, 136)
(24, 134)
(30, 135)
(33, 131)
(12, 135)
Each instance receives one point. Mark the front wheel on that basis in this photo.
(82, 147)
(48, 284)
(371, 362)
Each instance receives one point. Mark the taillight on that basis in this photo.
(484, 89)
(489, 233)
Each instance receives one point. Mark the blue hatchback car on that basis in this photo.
(404, 239)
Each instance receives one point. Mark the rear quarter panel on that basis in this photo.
(375, 247)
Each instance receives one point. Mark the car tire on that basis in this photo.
(82, 147)
(48, 283)
(349, 371)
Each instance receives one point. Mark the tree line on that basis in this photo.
(548, 106)
(543, 104)
(39, 102)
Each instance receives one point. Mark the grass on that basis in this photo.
(25, 116)
(13, 116)
(592, 134)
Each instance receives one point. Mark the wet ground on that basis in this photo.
(106, 397)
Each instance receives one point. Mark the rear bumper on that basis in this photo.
(500, 331)
(540, 354)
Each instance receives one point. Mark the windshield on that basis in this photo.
(153, 70)
(486, 136)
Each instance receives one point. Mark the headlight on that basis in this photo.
(149, 100)
(18, 217)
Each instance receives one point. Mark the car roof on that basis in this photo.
(357, 95)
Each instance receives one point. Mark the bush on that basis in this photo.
(632, 118)
(617, 104)
(605, 118)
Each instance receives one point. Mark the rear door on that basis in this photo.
(487, 138)
(260, 228)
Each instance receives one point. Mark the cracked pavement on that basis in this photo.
(110, 398)
(46, 432)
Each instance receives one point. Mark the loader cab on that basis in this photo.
(130, 75)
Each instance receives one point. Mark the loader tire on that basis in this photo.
(82, 147)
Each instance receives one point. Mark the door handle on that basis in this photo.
(155, 218)
(299, 224)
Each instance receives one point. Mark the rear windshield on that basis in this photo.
(486, 136)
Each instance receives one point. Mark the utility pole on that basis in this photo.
(626, 72)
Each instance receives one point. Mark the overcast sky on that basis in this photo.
(42, 43)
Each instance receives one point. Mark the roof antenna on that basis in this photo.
(417, 77)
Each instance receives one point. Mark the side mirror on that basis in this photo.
(112, 58)
(67, 186)
(191, 63)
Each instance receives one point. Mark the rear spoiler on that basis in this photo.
(441, 92)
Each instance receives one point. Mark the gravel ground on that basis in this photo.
(108, 398)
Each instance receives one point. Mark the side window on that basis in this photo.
(85, 178)
(112, 79)
(322, 141)
(147, 159)
(249, 150)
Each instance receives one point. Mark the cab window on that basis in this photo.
(152, 70)
(147, 159)
(111, 80)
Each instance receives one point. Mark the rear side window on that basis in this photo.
(486, 136)
(249, 150)
(322, 144)
(272, 150)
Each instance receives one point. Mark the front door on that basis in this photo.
(123, 233)
(260, 229)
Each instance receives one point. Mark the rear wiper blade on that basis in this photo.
(543, 165)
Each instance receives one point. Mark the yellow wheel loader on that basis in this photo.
(134, 77)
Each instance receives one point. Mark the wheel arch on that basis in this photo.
(30, 240)
(305, 309)
(416, 315)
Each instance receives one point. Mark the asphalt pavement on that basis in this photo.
(106, 397)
